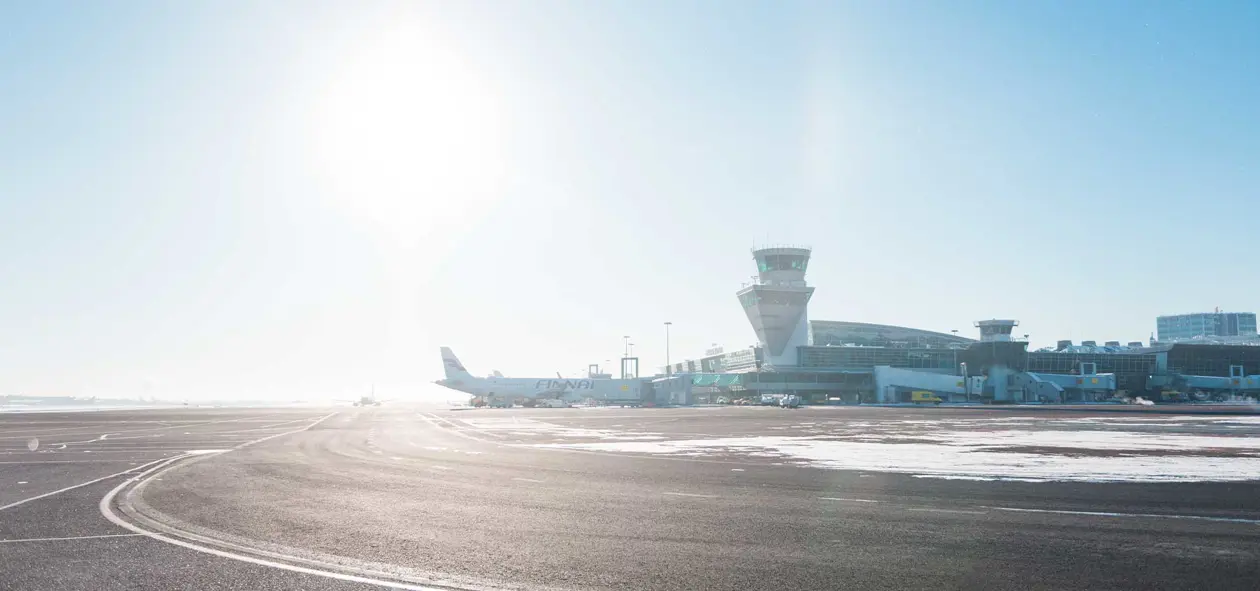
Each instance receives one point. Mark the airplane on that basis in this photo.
(367, 400)
(505, 390)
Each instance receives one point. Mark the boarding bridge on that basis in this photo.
(890, 381)
(1086, 385)
(1003, 385)
(1053, 387)
(1236, 383)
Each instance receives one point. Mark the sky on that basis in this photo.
(300, 199)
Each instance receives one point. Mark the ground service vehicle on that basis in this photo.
(924, 397)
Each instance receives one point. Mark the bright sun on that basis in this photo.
(409, 135)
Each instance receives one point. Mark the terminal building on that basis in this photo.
(1205, 325)
(842, 362)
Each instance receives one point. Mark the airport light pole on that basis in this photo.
(668, 369)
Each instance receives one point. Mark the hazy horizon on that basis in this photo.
(290, 199)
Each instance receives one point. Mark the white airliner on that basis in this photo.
(368, 400)
(498, 387)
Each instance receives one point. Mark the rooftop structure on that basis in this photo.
(995, 330)
(830, 333)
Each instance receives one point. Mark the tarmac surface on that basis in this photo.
(362, 498)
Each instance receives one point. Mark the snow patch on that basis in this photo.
(971, 455)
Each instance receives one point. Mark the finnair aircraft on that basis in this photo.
(498, 387)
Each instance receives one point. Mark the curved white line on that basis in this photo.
(238, 552)
(108, 512)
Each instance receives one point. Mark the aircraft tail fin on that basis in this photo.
(452, 366)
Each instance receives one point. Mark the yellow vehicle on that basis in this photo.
(924, 397)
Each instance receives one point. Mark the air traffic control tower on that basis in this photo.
(776, 302)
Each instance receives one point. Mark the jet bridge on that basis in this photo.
(1085, 386)
(892, 384)
(1204, 387)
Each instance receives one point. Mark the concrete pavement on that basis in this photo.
(468, 499)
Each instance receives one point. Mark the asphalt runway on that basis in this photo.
(616, 499)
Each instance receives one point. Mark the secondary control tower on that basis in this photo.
(996, 330)
(776, 303)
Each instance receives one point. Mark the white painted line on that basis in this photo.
(72, 538)
(439, 468)
(737, 469)
(678, 494)
(1147, 515)
(109, 449)
(454, 430)
(849, 500)
(80, 485)
(164, 426)
(108, 513)
(37, 462)
(528, 480)
(958, 511)
(269, 437)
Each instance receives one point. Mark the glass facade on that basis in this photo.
(1117, 363)
(866, 358)
(836, 333)
(782, 262)
(1213, 360)
(1208, 324)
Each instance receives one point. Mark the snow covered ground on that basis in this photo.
(525, 427)
(1083, 449)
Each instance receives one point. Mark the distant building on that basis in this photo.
(1205, 325)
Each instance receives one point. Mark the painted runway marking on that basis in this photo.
(70, 538)
(321, 569)
(1110, 514)
(124, 460)
(849, 500)
(678, 494)
(959, 511)
(737, 469)
(528, 480)
(80, 485)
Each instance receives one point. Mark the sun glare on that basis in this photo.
(408, 135)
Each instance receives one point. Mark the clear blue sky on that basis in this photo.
(296, 199)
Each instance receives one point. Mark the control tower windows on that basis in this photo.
(782, 262)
